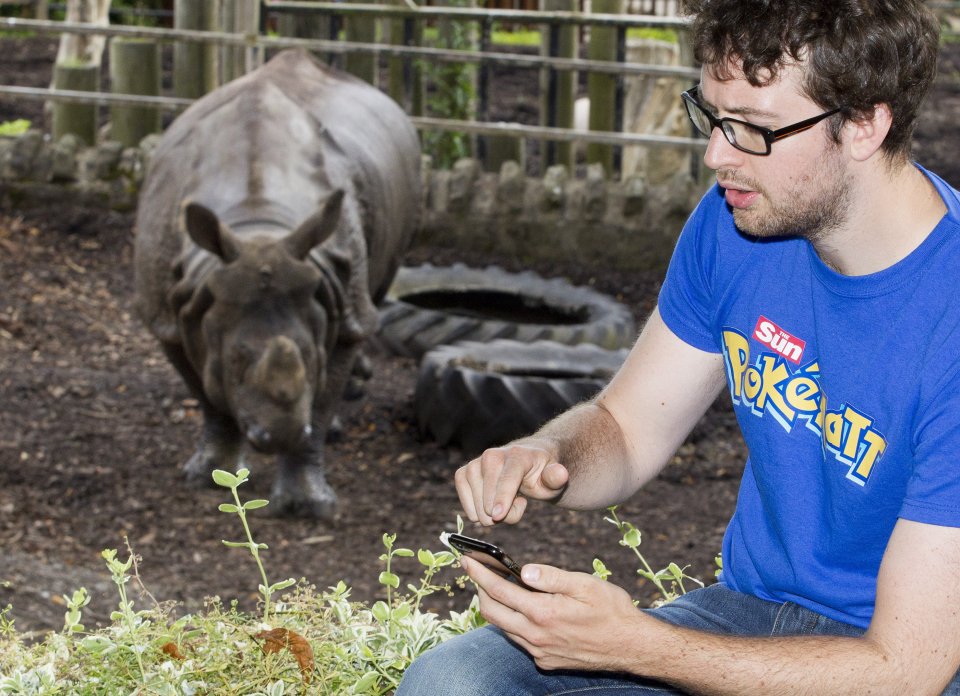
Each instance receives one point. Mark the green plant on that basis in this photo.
(668, 581)
(315, 642)
(657, 33)
(452, 94)
(17, 127)
(231, 481)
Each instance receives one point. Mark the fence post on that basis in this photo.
(239, 17)
(362, 29)
(306, 26)
(134, 69)
(404, 74)
(79, 119)
(211, 51)
(77, 67)
(602, 87)
(188, 56)
(558, 89)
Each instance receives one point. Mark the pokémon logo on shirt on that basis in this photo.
(792, 394)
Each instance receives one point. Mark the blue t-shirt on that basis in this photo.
(846, 389)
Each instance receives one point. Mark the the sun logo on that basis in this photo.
(780, 341)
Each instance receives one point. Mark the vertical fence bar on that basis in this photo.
(362, 29)
(404, 76)
(558, 88)
(134, 69)
(188, 82)
(602, 88)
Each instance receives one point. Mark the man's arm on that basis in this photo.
(599, 453)
(911, 647)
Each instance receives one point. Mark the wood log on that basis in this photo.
(79, 119)
(134, 69)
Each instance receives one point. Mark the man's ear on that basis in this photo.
(866, 134)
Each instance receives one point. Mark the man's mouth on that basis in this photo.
(739, 198)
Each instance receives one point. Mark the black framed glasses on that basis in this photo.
(746, 137)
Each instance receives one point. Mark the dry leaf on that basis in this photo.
(280, 638)
(173, 651)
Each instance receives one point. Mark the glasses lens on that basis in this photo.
(698, 117)
(745, 137)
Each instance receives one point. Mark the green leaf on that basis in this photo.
(282, 585)
(236, 544)
(600, 570)
(368, 681)
(255, 504)
(389, 579)
(380, 611)
(228, 507)
(426, 557)
(444, 558)
(631, 537)
(225, 479)
(388, 540)
(402, 611)
(17, 127)
(97, 644)
(403, 553)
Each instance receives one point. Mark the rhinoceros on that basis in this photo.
(272, 219)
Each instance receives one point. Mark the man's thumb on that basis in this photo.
(554, 476)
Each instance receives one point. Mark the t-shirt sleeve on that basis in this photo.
(933, 490)
(686, 298)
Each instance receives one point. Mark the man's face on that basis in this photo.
(801, 187)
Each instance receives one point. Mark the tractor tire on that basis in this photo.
(479, 395)
(428, 306)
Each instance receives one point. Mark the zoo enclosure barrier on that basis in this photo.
(204, 58)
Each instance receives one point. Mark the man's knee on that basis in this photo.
(463, 666)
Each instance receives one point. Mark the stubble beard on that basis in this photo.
(812, 207)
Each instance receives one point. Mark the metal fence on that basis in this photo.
(255, 46)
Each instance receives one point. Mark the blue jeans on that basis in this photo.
(485, 663)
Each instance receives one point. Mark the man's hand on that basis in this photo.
(495, 486)
(576, 621)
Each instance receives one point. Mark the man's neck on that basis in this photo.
(897, 209)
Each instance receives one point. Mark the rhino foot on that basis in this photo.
(198, 470)
(303, 493)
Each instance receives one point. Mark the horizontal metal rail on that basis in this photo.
(341, 47)
(411, 11)
(562, 134)
(423, 123)
(97, 98)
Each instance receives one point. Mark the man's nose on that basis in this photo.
(720, 153)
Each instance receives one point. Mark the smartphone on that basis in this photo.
(490, 555)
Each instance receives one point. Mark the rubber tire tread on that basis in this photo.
(477, 395)
(410, 331)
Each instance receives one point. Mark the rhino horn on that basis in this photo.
(280, 371)
(205, 228)
(316, 228)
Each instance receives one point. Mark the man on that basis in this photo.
(816, 282)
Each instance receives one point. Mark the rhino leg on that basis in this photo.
(301, 489)
(221, 447)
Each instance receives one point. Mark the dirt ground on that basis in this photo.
(94, 425)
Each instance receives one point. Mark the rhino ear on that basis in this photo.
(316, 228)
(204, 227)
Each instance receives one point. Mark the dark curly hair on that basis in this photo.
(856, 53)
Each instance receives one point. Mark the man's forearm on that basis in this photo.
(714, 665)
(588, 441)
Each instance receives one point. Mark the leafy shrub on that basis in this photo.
(306, 641)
